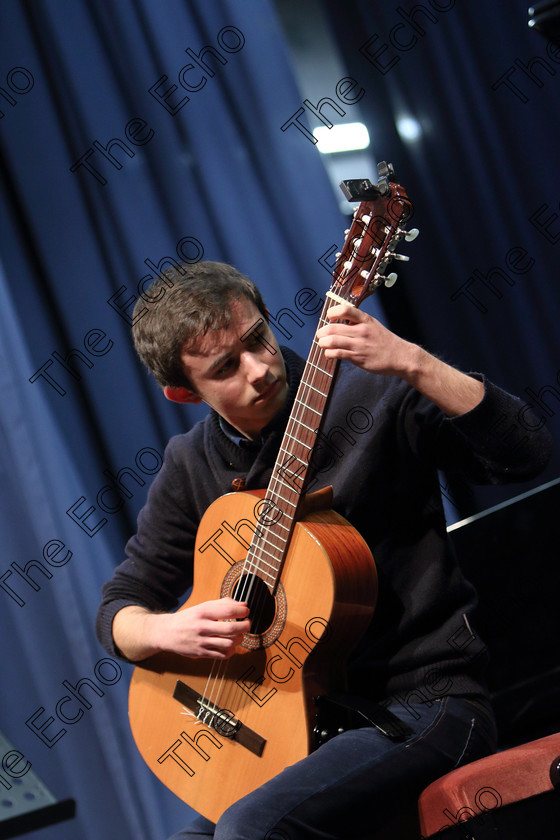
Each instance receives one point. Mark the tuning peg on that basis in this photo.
(380, 279)
(411, 235)
(402, 257)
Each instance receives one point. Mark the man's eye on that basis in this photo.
(224, 368)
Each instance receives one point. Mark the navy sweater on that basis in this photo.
(382, 447)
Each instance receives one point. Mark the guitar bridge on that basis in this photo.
(220, 720)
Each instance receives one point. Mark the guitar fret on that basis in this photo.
(297, 440)
(293, 504)
(295, 457)
(287, 501)
(275, 553)
(257, 547)
(257, 562)
(280, 480)
(275, 524)
(280, 524)
(301, 423)
(301, 411)
(317, 367)
(308, 407)
(307, 385)
(274, 565)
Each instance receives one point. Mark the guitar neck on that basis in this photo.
(290, 475)
(377, 227)
(276, 513)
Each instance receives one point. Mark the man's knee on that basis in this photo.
(234, 824)
(244, 820)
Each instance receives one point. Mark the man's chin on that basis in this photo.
(275, 393)
(269, 405)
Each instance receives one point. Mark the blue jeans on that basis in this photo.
(361, 785)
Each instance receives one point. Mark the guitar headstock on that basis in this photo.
(378, 225)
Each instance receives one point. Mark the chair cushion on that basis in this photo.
(487, 784)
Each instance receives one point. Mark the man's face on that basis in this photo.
(243, 380)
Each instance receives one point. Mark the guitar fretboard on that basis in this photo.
(276, 513)
(360, 267)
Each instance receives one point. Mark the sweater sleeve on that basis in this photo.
(157, 570)
(498, 441)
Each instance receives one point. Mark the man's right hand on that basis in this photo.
(208, 630)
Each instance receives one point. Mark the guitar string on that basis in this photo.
(273, 492)
(315, 353)
(213, 696)
(320, 378)
(253, 562)
(313, 358)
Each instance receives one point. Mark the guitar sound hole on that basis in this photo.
(262, 605)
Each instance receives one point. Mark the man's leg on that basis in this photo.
(361, 785)
(199, 829)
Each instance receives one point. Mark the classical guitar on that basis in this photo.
(213, 731)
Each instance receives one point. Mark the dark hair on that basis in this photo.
(183, 303)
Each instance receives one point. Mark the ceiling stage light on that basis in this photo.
(348, 137)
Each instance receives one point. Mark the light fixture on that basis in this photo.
(346, 137)
(409, 128)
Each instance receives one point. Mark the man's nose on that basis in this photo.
(256, 369)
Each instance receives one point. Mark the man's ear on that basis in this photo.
(181, 395)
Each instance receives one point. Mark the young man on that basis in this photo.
(205, 339)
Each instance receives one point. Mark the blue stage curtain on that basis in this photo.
(483, 90)
(109, 167)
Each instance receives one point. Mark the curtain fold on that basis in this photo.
(134, 133)
(110, 170)
(479, 93)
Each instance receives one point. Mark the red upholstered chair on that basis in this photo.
(515, 793)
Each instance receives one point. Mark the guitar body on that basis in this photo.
(265, 691)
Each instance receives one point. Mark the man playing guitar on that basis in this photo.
(206, 339)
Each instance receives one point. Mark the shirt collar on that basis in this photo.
(236, 437)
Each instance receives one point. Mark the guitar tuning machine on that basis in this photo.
(409, 235)
(392, 255)
(380, 280)
(400, 233)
